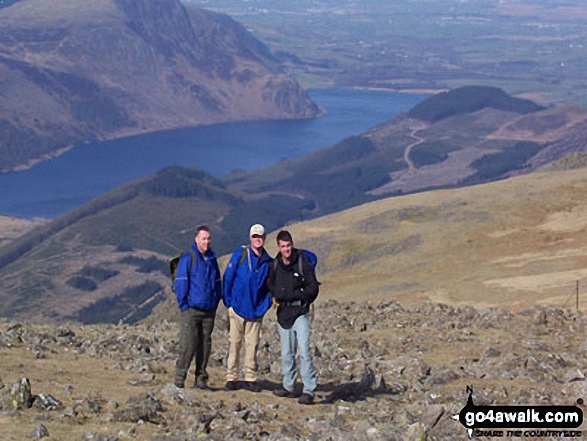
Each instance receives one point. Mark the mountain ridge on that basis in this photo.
(468, 99)
(75, 73)
(156, 215)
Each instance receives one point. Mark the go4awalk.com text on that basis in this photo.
(520, 421)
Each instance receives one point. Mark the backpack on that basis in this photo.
(312, 260)
(306, 255)
(174, 263)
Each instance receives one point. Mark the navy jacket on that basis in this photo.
(201, 288)
(245, 287)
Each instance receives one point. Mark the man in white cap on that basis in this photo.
(247, 298)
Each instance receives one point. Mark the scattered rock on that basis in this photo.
(90, 436)
(385, 373)
(39, 432)
(442, 377)
(16, 396)
(47, 402)
(173, 395)
(143, 408)
(492, 352)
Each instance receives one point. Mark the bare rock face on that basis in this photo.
(75, 73)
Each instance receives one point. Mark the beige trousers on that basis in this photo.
(250, 331)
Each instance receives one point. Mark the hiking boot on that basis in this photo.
(284, 393)
(179, 384)
(230, 385)
(201, 384)
(252, 386)
(306, 399)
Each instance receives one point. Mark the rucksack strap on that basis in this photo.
(193, 263)
(194, 259)
(245, 254)
(301, 255)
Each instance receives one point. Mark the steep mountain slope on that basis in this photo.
(483, 140)
(155, 216)
(74, 72)
(517, 242)
(110, 254)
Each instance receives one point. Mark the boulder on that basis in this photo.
(16, 396)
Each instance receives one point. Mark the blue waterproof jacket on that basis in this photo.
(201, 287)
(245, 287)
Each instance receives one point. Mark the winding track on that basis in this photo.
(411, 166)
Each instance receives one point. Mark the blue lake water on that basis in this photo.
(57, 186)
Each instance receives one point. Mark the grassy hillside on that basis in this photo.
(513, 243)
(42, 273)
(156, 215)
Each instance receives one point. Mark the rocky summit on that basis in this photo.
(386, 372)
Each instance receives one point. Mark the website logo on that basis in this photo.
(520, 421)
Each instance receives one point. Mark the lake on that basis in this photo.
(59, 185)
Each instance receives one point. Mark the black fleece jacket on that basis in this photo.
(287, 285)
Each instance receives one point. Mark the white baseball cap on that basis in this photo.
(257, 229)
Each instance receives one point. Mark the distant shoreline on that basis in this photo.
(407, 90)
(129, 132)
(35, 161)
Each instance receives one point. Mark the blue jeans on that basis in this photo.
(297, 336)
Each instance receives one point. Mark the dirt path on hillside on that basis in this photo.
(411, 166)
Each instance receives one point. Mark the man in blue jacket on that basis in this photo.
(247, 299)
(198, 289)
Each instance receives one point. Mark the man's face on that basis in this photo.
(285, 248)
(203, 241)
(257, 241)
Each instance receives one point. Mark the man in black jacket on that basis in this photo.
(293, 284)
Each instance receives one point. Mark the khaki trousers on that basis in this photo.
(250, 331)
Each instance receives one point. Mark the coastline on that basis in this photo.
(129, 133)
(406, 90)
(33, 162)
(125, 133)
